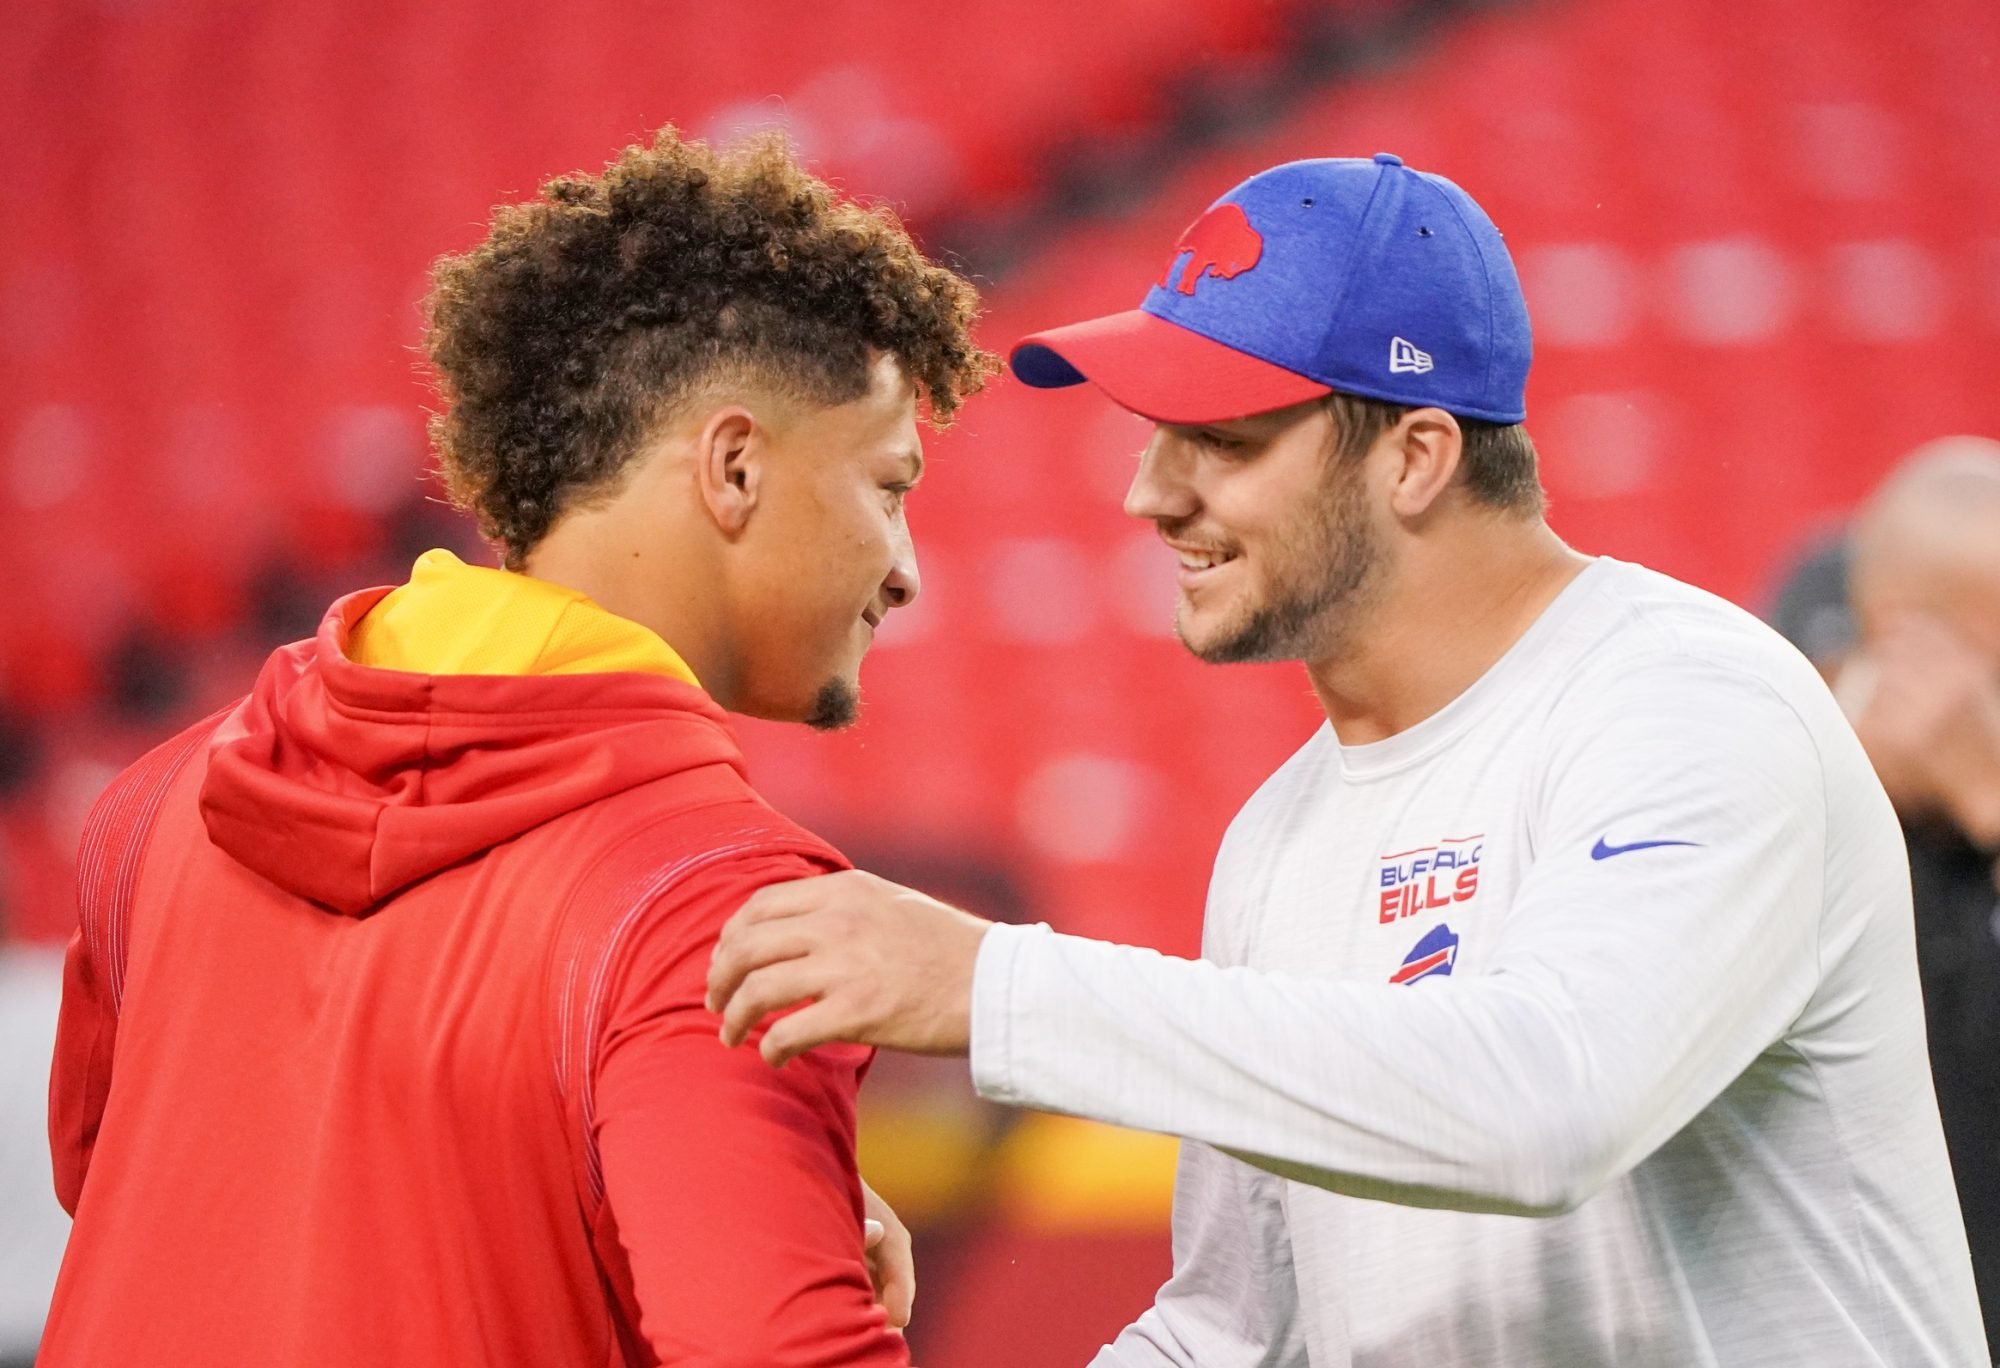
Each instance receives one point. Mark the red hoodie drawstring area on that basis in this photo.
(382, 1042)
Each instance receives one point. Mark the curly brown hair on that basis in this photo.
(588, 314)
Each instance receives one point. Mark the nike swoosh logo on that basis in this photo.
(1601, 851)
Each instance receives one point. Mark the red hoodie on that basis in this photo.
(382, 1042)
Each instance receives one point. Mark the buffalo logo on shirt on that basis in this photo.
(1435, 954)
(1430, 877)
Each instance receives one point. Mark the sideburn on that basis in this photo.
(1320, 578)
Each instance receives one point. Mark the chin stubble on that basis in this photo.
(1320, 579)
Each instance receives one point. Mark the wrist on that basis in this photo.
(1966, 770)
(992, 1028)
(1971, 789)
(1976, 809)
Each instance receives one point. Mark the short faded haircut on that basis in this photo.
(1497, 466)
(589, 313)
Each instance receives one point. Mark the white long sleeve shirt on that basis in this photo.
(1576, 1025)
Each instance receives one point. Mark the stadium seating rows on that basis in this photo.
(224, 212)
(222, 218)
(1746, 312)
(1762, 245)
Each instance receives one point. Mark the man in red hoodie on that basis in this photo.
(382, 1036)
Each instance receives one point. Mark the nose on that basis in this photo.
(903, 583)
(1160, 491)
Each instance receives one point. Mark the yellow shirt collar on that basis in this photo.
(454, 618)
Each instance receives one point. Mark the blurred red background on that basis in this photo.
(1760, 243)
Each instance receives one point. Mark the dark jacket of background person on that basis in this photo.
(1955, 885)
(1958, 957)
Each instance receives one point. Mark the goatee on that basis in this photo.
(836, 705)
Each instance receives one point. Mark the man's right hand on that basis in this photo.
(1927, 709)
(892, 1264)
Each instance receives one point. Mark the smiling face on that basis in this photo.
(1278, 552)
(828, 553)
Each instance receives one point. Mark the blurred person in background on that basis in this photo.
(382, 1037)
(1921, 683)
(1586, 906)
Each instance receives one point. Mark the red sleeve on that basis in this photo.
(733, 1185)
(80, 1076)
(115, 835)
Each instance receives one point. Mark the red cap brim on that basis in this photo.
(1159, 370)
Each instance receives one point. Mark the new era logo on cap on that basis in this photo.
(1406, 358)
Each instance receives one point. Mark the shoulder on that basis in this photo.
(1676, 690)
(115, 837)
(124, 813)
(146, 779)
(640, 921)
(662, 871)
(662, 850)
(678, 830)
(1263, 824)
(1301, 780)
(1656, 647)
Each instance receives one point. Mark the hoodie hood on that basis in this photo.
(345, 784)
(459, 619)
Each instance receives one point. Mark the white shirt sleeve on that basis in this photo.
(1625, 992)
(1232, 1301)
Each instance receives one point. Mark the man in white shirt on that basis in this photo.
(1558, 1003)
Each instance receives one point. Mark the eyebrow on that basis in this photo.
(1216, 429)
(1240, 431)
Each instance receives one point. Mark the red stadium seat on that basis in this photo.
(1762, 246)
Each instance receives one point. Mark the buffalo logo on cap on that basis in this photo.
(1224, 245)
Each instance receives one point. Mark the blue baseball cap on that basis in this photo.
(1361, 276)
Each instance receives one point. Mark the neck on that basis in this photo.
(647, 575)
(1453, 605)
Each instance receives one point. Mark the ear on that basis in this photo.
(729, 467)
(1428, 442)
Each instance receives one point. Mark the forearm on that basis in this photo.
(1513, 1092)
(1975, 806)
(1142, 1345)
(1609, 1001)
(1375, 1091)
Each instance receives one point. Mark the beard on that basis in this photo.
(836, 705)
(1320, 576)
